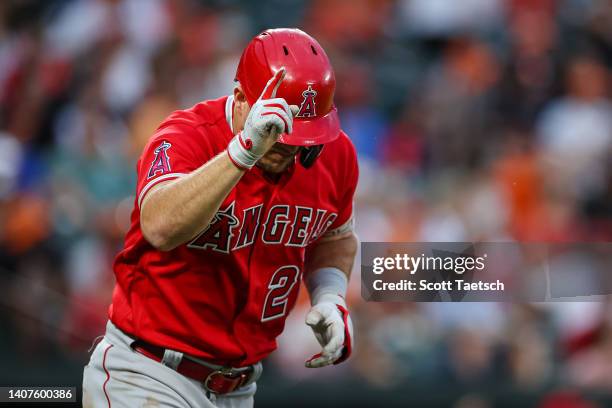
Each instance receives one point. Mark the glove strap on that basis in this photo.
(348, 341)
(240, 152)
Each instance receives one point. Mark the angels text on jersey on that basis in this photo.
(281, 224)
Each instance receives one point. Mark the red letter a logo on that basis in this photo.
(161, 162)
(308, 106)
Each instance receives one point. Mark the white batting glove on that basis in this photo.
(333, 328)
(268, 118)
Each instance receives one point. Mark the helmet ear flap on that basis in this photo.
(308, 155)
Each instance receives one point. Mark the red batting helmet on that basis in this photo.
(309, 82)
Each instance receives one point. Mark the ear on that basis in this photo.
(241, 105)
(241, 109)
(239, 95)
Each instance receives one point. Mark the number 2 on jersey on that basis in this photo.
(279, 289)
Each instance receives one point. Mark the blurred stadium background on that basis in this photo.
(474, 120)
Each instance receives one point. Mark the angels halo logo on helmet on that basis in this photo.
(308, 108)
(309, 82)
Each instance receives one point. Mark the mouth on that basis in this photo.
(284, 150)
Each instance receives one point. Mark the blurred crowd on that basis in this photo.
(474, 120)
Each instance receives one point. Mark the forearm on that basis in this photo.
(337, 253)
(329, 265)
(176, 211)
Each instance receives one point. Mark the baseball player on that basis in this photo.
(238, 200)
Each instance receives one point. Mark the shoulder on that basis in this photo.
(338, 161)
(203, 122)
(203, 114)
(340, 150)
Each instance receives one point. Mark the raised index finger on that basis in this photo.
(269, 91)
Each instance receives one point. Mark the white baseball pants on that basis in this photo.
(118, 376)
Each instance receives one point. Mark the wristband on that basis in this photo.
(240, 152)
(327, 285)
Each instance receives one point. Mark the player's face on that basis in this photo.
(278, 158)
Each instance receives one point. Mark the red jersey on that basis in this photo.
(224, 296)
